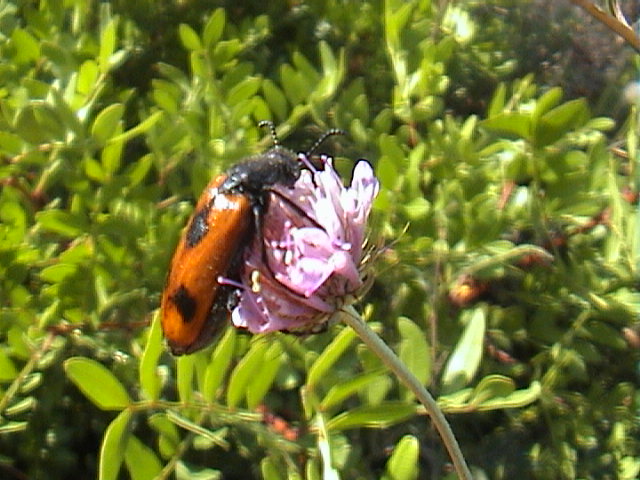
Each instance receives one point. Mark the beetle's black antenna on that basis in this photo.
(272, 129)
(321, 140)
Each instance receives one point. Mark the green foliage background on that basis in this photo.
(508, 281)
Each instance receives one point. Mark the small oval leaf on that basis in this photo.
(403, 463)
(97, 383)
(329, 356)
(107, 122)
(142, 463)
(465, 359)
(113, 445)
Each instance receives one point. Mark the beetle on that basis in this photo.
(195, 304)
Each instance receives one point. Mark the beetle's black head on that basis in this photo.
(276, 166)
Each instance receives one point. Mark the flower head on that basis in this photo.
(309, 260)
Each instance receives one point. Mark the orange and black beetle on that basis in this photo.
(195, 304)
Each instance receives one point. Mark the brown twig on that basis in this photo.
(610, 22)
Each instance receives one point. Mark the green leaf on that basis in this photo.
(329, 356)
(556, 123)
(57, 55)
(107, 45)
(417, 209)
(550, 99)
(113, 446)
(463, 363)
(603, 124)
(414, 353)
(39, 122)
(189, 38)
(260, 108)
(27, 127)
(31, 382)
(11, 143)
(168, 434)
(453, 401)
(264, 377)
(214, 27)
(141, 461)
(343, 390)
(149, 380)
(494, 392)
(62, 222)
(628, 468)
(275, 98)
(378, 416)
(185, 374)
(57, 273)
(510, 123)
(498, 101)
(269, 470)
(604, 334)
(517, 399)
(293, 86)
(403, 463)
(139, 169)
(93, 169)
(26, 46)
(184, 472)
(87, 77)
(313, 469)
(22, 406)
(111, 155)
(216, 437)
(19, 348)
(245, 371)
(106, 123)
(8, 371)
(219, 364)
(332, 73)
(68, 116)
(392, 156)
(13, 427)
(139, 129)
(97, 383)
(490, 387)
(243, 90)
(327, 59)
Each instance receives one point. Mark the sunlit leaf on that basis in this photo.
(465, 358)
(97, 383)
(244, 372)
(113, 446)
(106, 122)
(414, 352)
(379, 416)
(329, 357)
(403, 463)
(149, 379)
(189, 37)
(8, 371)
(142, 463)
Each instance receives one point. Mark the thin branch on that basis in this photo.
(384, 353)
(610, 22)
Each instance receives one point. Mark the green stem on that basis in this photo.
(382, 350)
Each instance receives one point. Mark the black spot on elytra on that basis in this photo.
(198, 227)
(185, 302)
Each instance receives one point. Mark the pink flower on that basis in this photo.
(309, 261)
